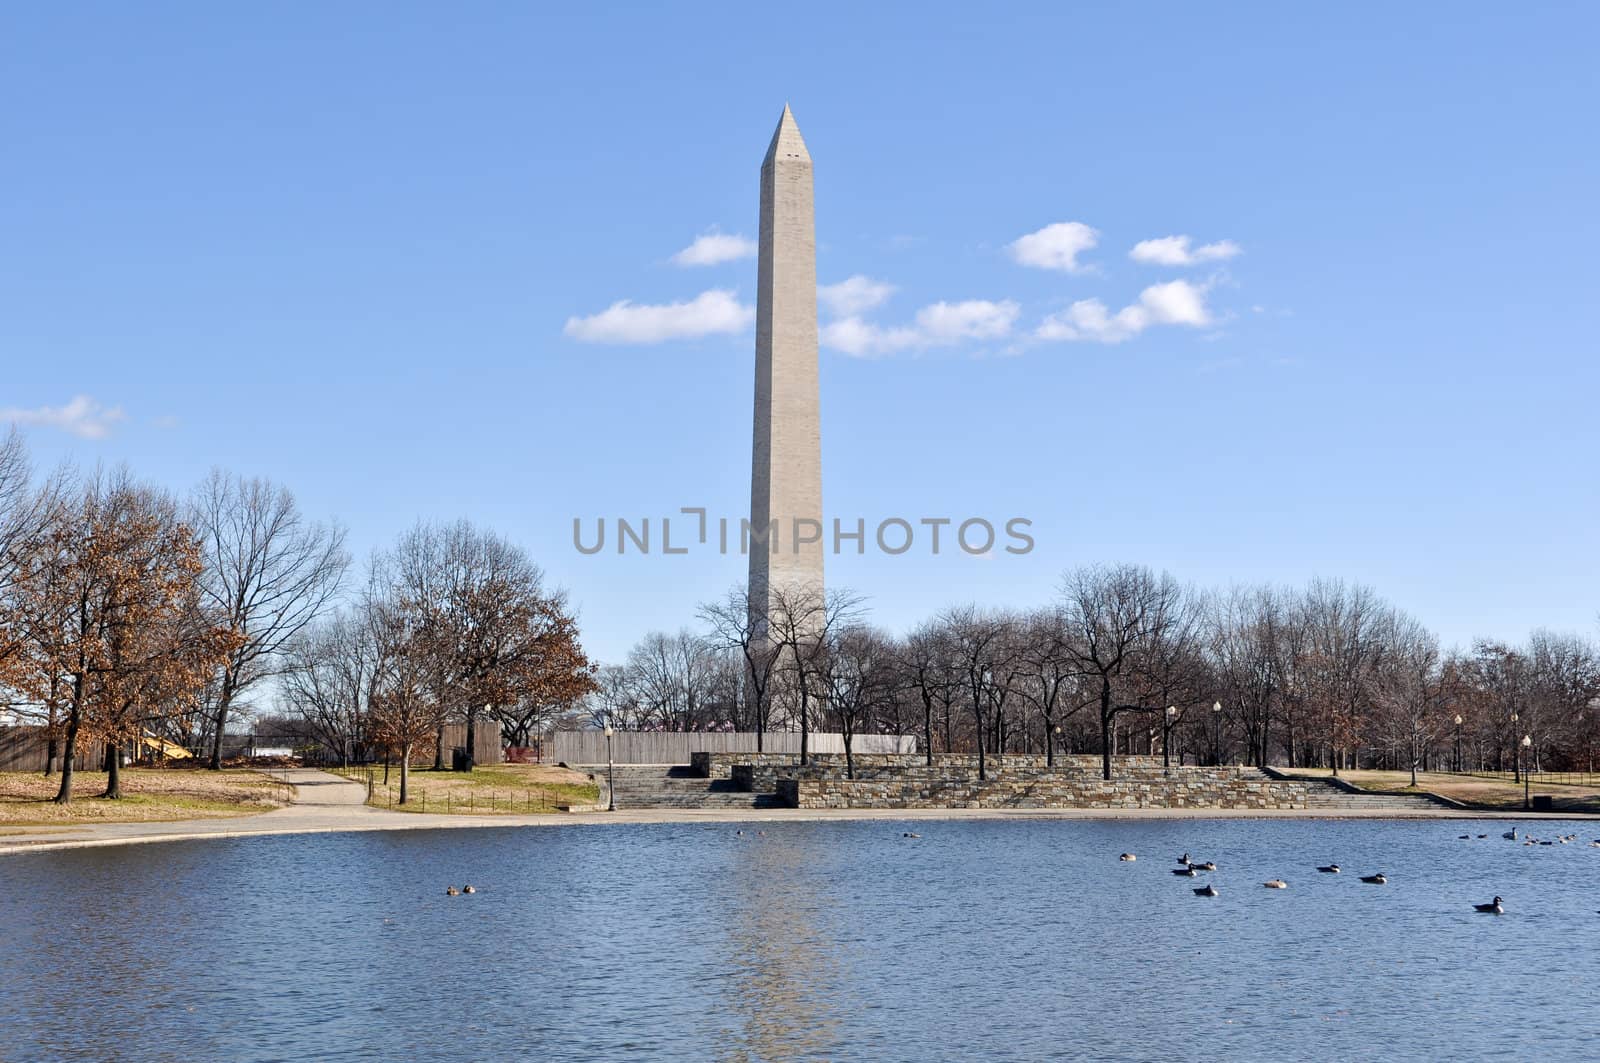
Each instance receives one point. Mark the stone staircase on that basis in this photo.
(1338, 796)
(676, 786)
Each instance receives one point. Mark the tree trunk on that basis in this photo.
(472, 734)
(1107, 720)
(69, 753)
(405, 772)
(927, 728)
(224, 703)
(438, 750)
(50, 751)
(113, 772)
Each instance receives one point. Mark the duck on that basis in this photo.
(1510, 835)
(910, 834)
(1127, 858)
(1329, 869)
(1494, 907)
(1184, 859)
(1207, 866)
(1466, 837)
(451, 891)
(468, 889)
(1275, 884)
(1483, 835)
(1186, 872)
(1208, 890)
(1377, 880)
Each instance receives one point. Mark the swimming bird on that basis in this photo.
(1330, 869)
(1494, 907)
(1466, 837)
(1207, 866)
(1275, 884)
(1184, 859)
(468, 889)
(1127, 858)
(1208, 890)
(1510, 835)
(1483, 835)
(1376, 880)
(451, 891)
(1186, 872)
(910, 834)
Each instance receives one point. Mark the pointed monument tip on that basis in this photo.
(786, 140)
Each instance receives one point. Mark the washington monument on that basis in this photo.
(786, 461)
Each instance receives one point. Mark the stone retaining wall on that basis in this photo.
(1187, 788)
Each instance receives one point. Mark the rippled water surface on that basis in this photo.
(981, 939)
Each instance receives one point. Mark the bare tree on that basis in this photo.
(268, 572)
(802, 621)
(859, 671)
(739, 624)
(1115, 613)
(926, 660)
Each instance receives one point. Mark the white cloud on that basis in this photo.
(1055, 246)
(1175, 251)
(1173, 303)
(83, 417)
(937, 325)
(714, 248)
(711, 312)
(853, 296)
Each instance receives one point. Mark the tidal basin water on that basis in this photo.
(978, 940)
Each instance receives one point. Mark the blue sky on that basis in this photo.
(340, 245)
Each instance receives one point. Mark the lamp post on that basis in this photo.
(1052, 739)
(611, 774)
(1216, 733)
(1166, 739)
(1527, 743)
(1458, 743)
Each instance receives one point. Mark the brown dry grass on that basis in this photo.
(149, 795)
(1494, 792)
(496, 789)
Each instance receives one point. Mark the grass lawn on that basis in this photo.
(148, 795)
(496, 789)
(1491, 791)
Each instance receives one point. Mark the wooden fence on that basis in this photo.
(674, 747)
(25, 749)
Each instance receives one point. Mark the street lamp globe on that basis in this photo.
(1527, 740)
(1458, 721)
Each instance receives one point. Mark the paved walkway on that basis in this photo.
(327, 803)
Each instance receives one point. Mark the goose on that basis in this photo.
(1208, 890)
(1376, 880)
(1494, 907)
(451, 891)
(1275, 884)
(468, 889)
(1186, 872)
(1207, 866)
(1330, 869)
(1184, 859)
(1510, 835)
(1127, 858)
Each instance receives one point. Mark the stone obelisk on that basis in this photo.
(786, 466)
